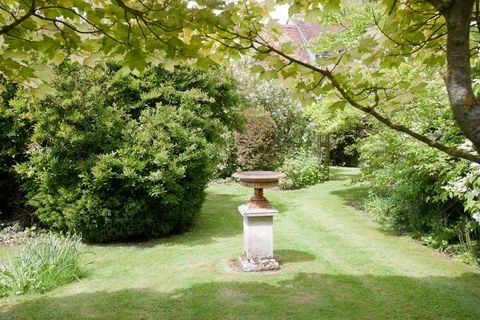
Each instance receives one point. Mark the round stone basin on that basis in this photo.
(259, 179)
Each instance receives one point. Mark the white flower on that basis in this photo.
(467, 145)
(476, 216)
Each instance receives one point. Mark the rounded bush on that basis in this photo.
(256, 147)
(118, 157)
(302, 170)
(13, 141)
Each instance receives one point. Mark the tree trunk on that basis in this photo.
(323, 149)
(464, 105)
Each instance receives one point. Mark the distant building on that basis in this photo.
(303, 34)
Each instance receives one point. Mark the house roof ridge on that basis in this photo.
(305, 42)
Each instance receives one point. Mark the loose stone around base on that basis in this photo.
(258, 264)
(258, 239)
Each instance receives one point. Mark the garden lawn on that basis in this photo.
(336, 265)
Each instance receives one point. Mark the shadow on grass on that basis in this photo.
(292, 256)
(283, 207)
(307, 296)
(352, 196)
(219, 218)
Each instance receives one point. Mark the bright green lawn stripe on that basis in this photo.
(339, 243)
(371, 289)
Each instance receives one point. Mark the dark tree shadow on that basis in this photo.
(219, 218)
(352, 196)
(291, 256)
(307, 296)
(283, 208)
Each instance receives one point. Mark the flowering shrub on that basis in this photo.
(465, 187)
(421, 191)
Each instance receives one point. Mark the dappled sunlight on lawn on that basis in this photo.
(307, 296)
(335, 265)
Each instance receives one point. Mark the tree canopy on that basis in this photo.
(133, 32)
(438, 33)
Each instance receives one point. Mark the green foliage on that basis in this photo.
(227, 164)
(116, 157)
(294, 129)
(376, 37)
(409, 193)
(13, 143)
(338, 130)
(409, 175)
(42, 265)
(256, 147)
(352, 20)
(301, 170)
(132, 32)
(415, 188)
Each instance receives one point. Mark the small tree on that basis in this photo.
(256, 144)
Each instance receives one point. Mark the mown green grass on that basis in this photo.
(336, 265)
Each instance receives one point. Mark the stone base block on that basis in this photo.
(257, 231)
(258, 264)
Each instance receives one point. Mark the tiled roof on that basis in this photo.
(293, 33)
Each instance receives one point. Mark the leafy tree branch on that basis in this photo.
(258, 43)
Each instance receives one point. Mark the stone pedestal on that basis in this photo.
(258, 239)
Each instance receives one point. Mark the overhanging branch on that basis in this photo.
(265, 47)
(19, 21)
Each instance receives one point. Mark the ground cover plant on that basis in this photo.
(42, 264)
(336, 264)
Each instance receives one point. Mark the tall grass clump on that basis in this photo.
(42, 264)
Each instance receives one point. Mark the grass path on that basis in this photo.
(336, 265)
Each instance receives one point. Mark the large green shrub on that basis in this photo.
(14, 133)
(117, 157)
(301, 170)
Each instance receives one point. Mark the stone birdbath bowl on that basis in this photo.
(259, 180)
